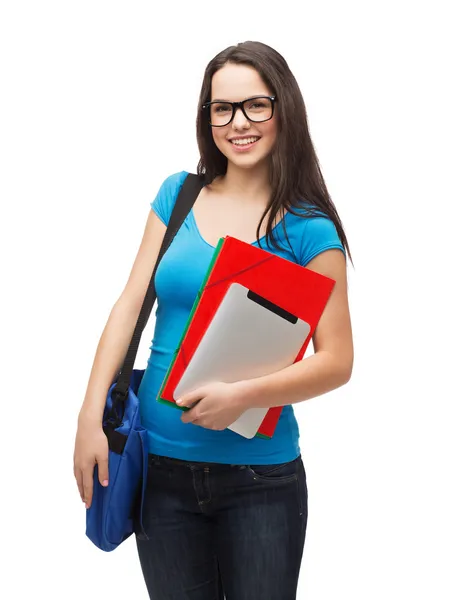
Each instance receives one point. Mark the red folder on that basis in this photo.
(294, 288)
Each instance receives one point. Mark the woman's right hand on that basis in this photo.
(91, 447)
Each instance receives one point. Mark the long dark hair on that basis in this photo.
(295, 176)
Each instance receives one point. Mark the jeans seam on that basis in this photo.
(302, 493)
(300, 500)
(207, 481)
(208, 500)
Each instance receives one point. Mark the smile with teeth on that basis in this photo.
(244, 141)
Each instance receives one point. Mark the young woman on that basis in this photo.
(225, 514)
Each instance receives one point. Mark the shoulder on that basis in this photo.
(173, 183)
(165, 199)
(316, 232)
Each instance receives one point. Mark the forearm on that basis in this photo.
(315, 375)
(110, 354)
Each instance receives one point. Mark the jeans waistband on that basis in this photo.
(156, 459)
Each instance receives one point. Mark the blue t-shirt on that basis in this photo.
(178, 279)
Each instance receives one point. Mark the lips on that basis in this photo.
(244, 141)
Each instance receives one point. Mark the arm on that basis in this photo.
(118, 331)
(217, 405)
(330, 366)
(91, 445)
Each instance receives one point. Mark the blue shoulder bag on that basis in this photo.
(115, 512)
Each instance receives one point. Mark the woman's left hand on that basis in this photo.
(214, 406)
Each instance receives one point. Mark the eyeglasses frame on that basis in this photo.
(236, 105)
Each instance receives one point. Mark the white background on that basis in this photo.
(98, 105)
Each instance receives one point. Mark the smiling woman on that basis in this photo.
(223, 515)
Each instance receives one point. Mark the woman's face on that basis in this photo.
(234, 83)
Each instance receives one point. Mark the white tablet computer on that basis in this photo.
(248, 337)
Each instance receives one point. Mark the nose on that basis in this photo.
(239, 120)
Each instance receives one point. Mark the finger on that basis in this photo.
(189, 416)
(185, 417)
(79, 481)
(191, 398)
(88, 485)
(103, 471)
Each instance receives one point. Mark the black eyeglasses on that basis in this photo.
(257, 109)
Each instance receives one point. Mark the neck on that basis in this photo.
(247, 184)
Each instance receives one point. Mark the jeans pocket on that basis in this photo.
(275, 473)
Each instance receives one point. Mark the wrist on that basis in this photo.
(247, 393)
(89, 418)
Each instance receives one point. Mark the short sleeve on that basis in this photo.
(164, 202)
(319, 234)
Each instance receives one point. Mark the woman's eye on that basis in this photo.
(256, 105)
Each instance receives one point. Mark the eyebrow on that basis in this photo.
(247, 98)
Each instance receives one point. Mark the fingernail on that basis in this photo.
(179, 401)
(105, 482)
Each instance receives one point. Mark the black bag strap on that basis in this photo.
(184, 202)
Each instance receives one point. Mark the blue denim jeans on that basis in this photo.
(215, 531)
